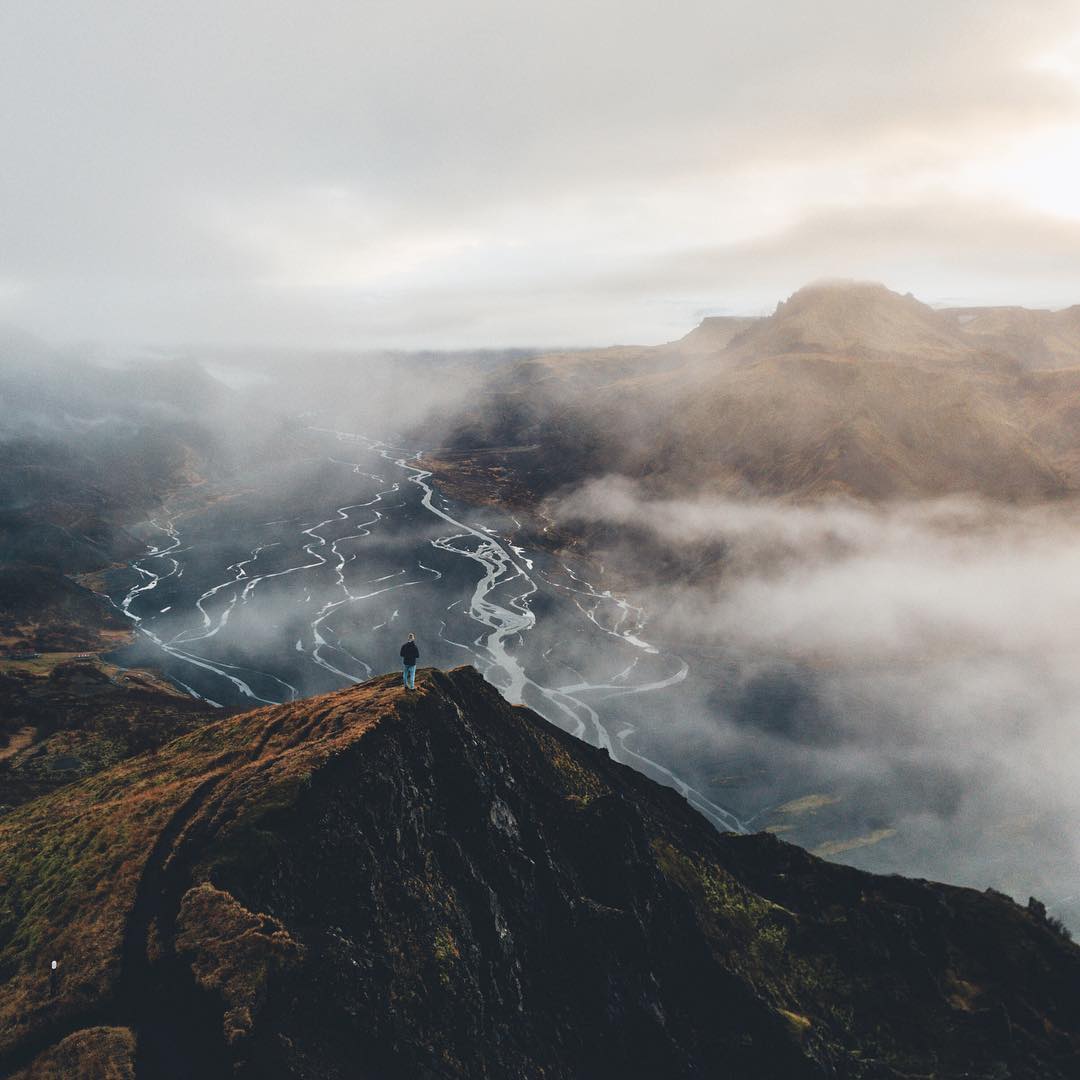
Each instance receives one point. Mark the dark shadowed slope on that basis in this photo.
(77, 717)
(380, 885)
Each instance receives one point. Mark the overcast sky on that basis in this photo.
(422, 173)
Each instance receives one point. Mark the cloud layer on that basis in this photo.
(483, 174)
(926, 660)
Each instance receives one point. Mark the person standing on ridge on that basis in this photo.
(409, 655)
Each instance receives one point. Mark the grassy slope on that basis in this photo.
(70, 862)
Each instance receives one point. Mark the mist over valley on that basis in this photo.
(812, 569)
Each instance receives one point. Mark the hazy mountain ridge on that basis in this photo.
(377, 884)
(847, 389)
(852, 319)
(86, 449)
(1040, 339)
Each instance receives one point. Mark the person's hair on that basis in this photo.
(412, 636)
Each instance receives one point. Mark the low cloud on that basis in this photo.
(921, 657)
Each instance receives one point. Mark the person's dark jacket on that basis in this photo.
(410, 653)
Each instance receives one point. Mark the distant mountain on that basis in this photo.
(42, 609)
(381, 884)
(847, 389)
(816, 425)
(1039, 340)
(87, 449)
(857, 320)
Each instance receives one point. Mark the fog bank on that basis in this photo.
(926, 660)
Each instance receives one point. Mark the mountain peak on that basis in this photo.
(440, 884)
(824, 288)
(853, 318)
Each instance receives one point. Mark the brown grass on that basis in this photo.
(232, 952)
(101, 1053)
(70, 862)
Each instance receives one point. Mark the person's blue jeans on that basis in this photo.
(410, 676)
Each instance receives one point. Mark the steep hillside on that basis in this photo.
(376, 884)
(44, 610)
(77, 717)
(811, 426)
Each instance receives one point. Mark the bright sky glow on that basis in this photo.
(420, 174)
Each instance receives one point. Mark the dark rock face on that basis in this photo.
(374, 884)
(476, 901)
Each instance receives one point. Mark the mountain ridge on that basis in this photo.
(846, 390)
(851, 318)
(373, 883)
(838, 314)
